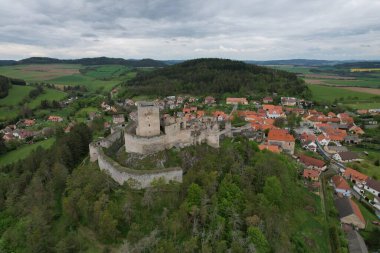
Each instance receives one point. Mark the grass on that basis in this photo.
(49, 95)
(8, 113)
(359, 105)
(367, 166)
(24, 151)
(330, 94)
(360, 82)
(16, 94)
(93, 78)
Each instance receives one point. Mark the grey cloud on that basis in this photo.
(166, 29)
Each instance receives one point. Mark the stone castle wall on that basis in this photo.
(137, 179)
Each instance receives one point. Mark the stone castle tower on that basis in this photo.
(148, 118)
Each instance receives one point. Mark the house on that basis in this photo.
(356, 130)
(310, 145)
(362, 111)
(373, 186)
(347, 156)
(273, 111)
(312, 163)
(352, 139)
(355, 176)
(8, 137)
(341, 186)
(282, 138)
(349, 212)
(209, 100)
(331, 115)
(311, 174)
(271, 148)
(323, 140)
(336, 149)
(267, 100)
(288, 101)
(118, 118)
(129, 102)
(236, 101)
(69, 127)
(55, 118)
(29, 122)
(220, 115)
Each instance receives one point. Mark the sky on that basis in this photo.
(187, 29)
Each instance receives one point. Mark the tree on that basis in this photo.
(194, 196)
(273, 190)
(257, 238)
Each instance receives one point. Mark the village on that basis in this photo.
(322, 143)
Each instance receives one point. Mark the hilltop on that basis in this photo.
(217, 76)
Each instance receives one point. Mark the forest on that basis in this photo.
(234, 198)
(217, 76)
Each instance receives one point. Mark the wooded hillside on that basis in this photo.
(216, 76)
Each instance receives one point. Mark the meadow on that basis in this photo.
(16, 95)
(94, 78)
(24, 151)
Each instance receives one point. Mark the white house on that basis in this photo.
(373, 186)
(341, 186)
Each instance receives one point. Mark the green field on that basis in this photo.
(49, 95)
(330, 94)
(16, 95)
(370, 83)
(93, 77)
(9, 106)
(293, 69)
(24, 151)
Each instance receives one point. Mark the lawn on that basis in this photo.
(49, 95)
(16, 94)
(360, 82)
(24, 151)
(329, 94)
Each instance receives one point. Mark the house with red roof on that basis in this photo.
(267, 100)
(55, 118)
(209, 100)
(341, 186)
(311, 174)
(312, 163)
(349, 212)
(356, 130)
(283, 139)
(271, 148)
(273, 111)
(236, 101)
(29, 122)
(355, 176)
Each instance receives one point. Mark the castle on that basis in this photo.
(152, 134)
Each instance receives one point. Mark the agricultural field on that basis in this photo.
(330, 94)
(94, 78)
(24, 151)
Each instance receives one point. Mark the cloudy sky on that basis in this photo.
(183, 29)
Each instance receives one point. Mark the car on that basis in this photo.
(376, 222)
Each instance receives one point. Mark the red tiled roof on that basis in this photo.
(237, 100)
(340, 182)
(280, 135)
(355, 175)
(311, 161)
(272, 148)
(357, 211)
(311, 173)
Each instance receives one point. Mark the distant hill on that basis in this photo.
(89, 61)
(297, 62)
(217, 76)
(362, 64)
(7, 62)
